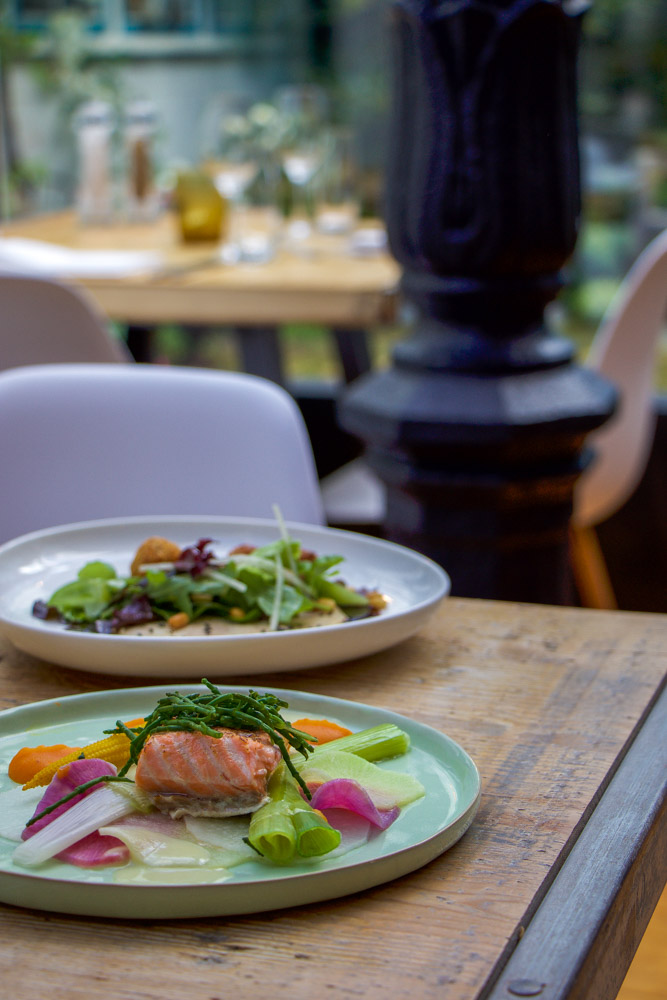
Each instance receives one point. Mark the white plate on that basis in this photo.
(34, 565)
(421, 833)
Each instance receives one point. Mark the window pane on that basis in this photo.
(162, 15)
(234, 16)
(36, 13)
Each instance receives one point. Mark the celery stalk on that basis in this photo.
(377, 743)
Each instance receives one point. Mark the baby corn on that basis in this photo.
(114, 749)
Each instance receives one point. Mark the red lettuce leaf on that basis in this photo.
(194, 559)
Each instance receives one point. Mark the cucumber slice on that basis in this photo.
(386, 788)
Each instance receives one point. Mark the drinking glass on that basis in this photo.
(260, 219)
(337, 195)
(303, 110)
(232, 162)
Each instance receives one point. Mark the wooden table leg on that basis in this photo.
(139, 342)
(589, 568)
(354, 353)
(260, 352)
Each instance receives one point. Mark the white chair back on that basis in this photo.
(88, 441)
(43, 321)
(624, 350)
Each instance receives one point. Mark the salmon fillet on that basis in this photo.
(186, 773)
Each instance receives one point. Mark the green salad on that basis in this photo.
(274, 586)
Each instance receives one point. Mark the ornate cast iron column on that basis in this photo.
(477, 428)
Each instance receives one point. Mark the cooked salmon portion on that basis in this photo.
(192, 774)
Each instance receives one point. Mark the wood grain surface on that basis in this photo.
(546, 700)
(331, 287)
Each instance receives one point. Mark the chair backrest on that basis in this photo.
(43, 320)
(624, 350)
(82, 442)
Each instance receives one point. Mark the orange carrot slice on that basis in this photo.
(321, 730)
(29, 760)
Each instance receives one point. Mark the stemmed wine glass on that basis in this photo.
(232, 161)
(303, 110)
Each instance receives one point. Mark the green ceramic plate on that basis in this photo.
(423, 831)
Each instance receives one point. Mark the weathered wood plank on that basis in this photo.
(580, 943)
(544, 699)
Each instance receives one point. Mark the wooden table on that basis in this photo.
(546, 895)
(334, 289)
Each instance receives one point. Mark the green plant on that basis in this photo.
(16, 178)
(67, 70)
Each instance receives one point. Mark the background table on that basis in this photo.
(549, 891)
(346, 293)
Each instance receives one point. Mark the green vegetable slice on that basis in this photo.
(286, 825)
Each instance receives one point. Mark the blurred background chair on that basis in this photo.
(87, 441)
(624, 350)
(43, 321)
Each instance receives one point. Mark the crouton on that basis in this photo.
(154, 550)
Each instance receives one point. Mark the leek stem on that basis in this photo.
(97, 809)
(277, 513)
(275, 610)
(287, 825)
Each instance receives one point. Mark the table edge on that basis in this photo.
(579, 942)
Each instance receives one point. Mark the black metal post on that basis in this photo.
(477, 428)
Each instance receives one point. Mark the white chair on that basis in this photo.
(43, 321)
(624, 350)
(88, 441)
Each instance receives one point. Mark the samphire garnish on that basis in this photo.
(202, 712)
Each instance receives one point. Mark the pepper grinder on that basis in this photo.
(94, 126)
(141, 192)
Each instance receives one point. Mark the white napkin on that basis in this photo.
(34, 257)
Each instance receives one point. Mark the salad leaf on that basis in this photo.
(278, 581)
(291, 602)
(97, 571)
(166, 593)
(83, 600)
(135, 612)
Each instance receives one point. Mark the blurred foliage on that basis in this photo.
(624, 53)
(67, 71)
(17, 177)
(61, 64)
(622, 96)
(14, 45)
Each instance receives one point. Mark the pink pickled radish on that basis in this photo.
(92, 850)
(64, 781)
(345, 793)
